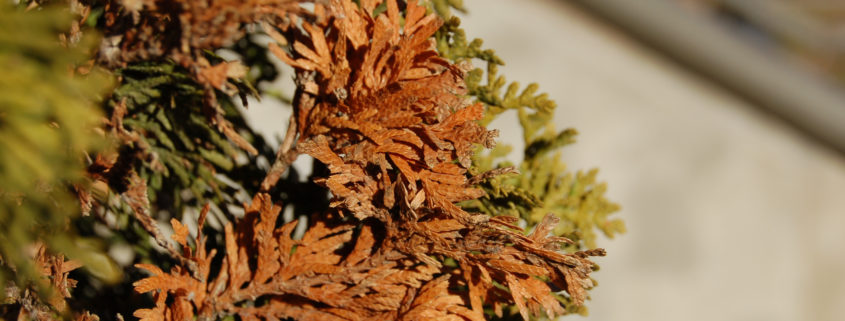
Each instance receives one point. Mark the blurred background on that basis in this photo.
(719, 126)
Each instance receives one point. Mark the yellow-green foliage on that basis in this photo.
(543, 185)
(444, 7)
(46, 121)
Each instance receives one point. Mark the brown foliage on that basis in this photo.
(26, 303)
(359, 271)
(305, 279)
(391, 107)
(182, 31)
(386, 115)
(143, 30)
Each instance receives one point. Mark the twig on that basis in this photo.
(284, 157)
(303, 101)
(477, 179)
(137, 199)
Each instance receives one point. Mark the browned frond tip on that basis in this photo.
(593, 252)
(477, 179)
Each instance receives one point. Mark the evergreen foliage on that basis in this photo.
(404, 216)
(47, 118)
(542, 184)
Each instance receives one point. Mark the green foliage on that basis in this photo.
(164, 106)
(186, 161)
(444, 7)
(46, 122)
(543, 185)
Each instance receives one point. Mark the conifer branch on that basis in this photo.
(409, 217)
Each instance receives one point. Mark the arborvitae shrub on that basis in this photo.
(124, 152)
